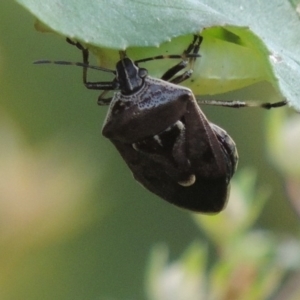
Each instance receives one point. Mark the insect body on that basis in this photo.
(164, 137)
(170, 146)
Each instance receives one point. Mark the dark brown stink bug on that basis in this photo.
(162, 134)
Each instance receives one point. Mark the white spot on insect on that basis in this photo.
(189, 181)
(135, 147)
(179, 125)
(157, 138)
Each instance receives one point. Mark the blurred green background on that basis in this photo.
(73, 222)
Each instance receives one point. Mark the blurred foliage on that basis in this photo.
(75, 225)
(241, 262)
(284, 148)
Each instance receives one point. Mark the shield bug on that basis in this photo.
(162, 134)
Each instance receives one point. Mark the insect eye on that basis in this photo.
(143, 73)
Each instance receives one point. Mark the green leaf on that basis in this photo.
(119, 24)
(231, 58)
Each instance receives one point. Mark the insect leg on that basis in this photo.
(189, 57)
(101, 85)
(104, 101)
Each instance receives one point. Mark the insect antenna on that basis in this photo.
(69, 63)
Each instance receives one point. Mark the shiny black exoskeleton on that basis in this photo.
(162, 134)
